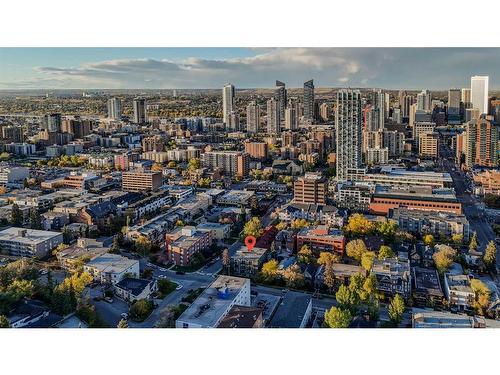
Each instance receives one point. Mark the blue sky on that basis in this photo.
(393, 68)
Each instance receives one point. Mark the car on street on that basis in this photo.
(162, 276)
(178, 287)
(108, 299)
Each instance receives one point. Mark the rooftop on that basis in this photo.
(291, 311)
(133, 285)
(111, 263)
(416, 193)
(241, 317)
(27, 236)
(427, 281)
(459, 283)
(320, 231)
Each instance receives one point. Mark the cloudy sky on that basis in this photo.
(392, 68)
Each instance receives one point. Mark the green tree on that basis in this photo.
(122, 324)
(338, 318)
(367, 260)
(396, 309)
(16, 216)
(490, 255)
(4, 322)
(253, 227)
(143, 245)
(194, 164)
(35, 219)
(140, 310)
(355, 249)
(473, 245)
(347, 299)
(115, 247)
(385, 252)
(388, 229)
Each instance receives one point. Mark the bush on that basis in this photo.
(165, 287)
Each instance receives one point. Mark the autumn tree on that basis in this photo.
(329, 276)
(482, 296)
(4, 322)
(385, 252)
(298, 224)
(396, 309)
(269, 270)
(367, 260)
(473, 245)
(358, 224)
(388, 229)
(490, 255)
(347, 299)
(444, 258)
(429, 240)
(253, 227)
(326, 257)
(143, 245)
(355, 249)
(338, 318)
(457, 239)
(281, 225)
(305, 255)
(293, 277)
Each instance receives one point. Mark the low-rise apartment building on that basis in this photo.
(458, 291)
(393, 277)
(321, 238)
(112, 268)
(183, 243)
(29, 242)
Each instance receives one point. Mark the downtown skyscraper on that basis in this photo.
(479, 93)
(227, 102)
(348, 123)
(253, 117)
(454, 99)
(273, 117)
(281, 97)
(309, 100)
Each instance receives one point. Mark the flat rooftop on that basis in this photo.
(320, 231)
(459, 283)
(415, 193)
(111, 263)
(213, 302)
(427, 281)
(243, 253)
(440, 319)
(241, 317)
(30, 237)
(291, 310)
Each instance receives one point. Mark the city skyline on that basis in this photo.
(210, 68)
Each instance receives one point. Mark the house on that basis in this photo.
(132, 289)
(342, 272)
(427, 288)
(393, 277)
(111, 268)
(27, 313)
(458, 291)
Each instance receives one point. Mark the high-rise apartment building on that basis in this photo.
(273, 117)
(348, 120)
(253, 118)
(465, 98)
(371, 118)
(424, 100)
(291, 118)
(154, 143)
(379, 106)
(311, 188)
(325, 111)
(140, 113)
(52, 122)
(407, 102)
(234, 121)
(422, 128)
(481, 143)
(77, 126)
(227, 102)
(309, 100)
(479, 93)
(257, 150)
(114, 108)
(281, 97)
(428, 145)
(232, 163)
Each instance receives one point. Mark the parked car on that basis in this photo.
(178, 287)
(108, 299)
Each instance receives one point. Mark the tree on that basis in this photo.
(358, 224)
(329, 276)
(305, 255)
(156, 167)
(298, 224)
(143, 245)
(355, 249)
(122, 324)
(281, 225)
(482, 296)
(179, 223)
(16, 216)
(388, 229)
(226, 260)
(141, 309)
(326, 257)
(429, 240)
(35, 219)
(270, 270)
(194, 164)
(253, 227)
(4, 322)
(338, 318)
(473, 242)
(396, 309)
(444, 258)
(367, 260)
(385, 252)
(347, 299)
(293, 277)
(490, 255)
(457, 239)
(115, 247)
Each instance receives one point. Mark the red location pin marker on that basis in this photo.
(250, 242)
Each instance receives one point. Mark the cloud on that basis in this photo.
(430, 68)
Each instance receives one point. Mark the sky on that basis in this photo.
(169, 68)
